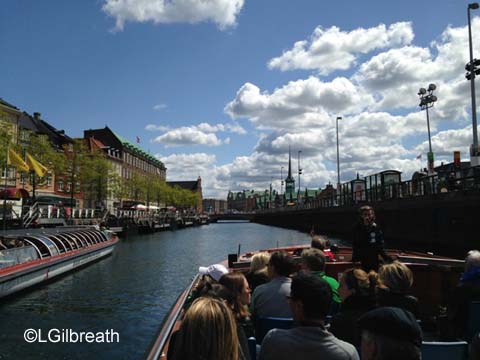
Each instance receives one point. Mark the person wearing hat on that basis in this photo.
(215, 271)
(310, 301)
(390, 333)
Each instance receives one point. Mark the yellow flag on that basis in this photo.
(16, 160)
(39, 169)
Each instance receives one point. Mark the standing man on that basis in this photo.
(368, 241)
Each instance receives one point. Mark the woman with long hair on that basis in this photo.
(357, 291)
(239, 299)
(208, 331)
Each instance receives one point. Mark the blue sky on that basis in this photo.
(222, 88)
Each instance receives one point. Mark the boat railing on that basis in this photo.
(161, 339)
(14, 256)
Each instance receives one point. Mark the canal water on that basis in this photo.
(129, 292)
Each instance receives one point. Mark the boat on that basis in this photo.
(36, 257)
(434, 277)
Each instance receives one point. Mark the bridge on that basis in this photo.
(232, 217)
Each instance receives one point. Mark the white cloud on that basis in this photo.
(186, 136)
(159, 107)
(221, 12)
(332, 49)
(299, 104)
(187, 166)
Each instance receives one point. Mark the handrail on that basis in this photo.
(168, 323)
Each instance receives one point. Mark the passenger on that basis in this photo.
(357, 290)
(208, 331)
(210, 276)
(269, 300)
(394, 283)
(368, 241)
(310, 301)
(467, 291)
(237, 285)
(258, 273)
(323, 244)
(390, 333)
(313, 261)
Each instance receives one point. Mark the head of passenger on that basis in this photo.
(208, 331)
(313, 260)
(310, 298)
(396, 277)
(237, 284)
(319, 242)
(281, 264)
(356, 282)
(215, 271)
(390, 333)
(367, 215)
(259, 262)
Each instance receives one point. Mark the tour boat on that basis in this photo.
(434, 277)
(38, 257)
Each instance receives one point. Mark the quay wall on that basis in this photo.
(446, 223)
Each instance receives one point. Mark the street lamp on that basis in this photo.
(472, 70)
(281, 183)
(427, 100)
(338, 157)
(299, 173)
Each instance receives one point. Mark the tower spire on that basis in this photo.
(289, 163)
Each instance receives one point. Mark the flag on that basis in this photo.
(16, 160)
(138, 140)
(419, 156)
(39, 169)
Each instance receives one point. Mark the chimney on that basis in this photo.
(37, 115)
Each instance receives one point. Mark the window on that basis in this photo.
(49, 179)
(60, 185)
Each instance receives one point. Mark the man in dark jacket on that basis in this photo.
(368, 241)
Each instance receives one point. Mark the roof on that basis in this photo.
(138, 151)
(187, 185)
(6, 104)
(37, 125)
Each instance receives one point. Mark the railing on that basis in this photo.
(465, 180)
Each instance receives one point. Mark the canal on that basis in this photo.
(129, 292)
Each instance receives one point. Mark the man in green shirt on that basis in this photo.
(313, 262)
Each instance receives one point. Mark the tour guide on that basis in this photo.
(368, 241)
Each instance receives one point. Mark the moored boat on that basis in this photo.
(38, 257)
(434, 277)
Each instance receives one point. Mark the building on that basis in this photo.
(193, 186)
(126, 158)
(214, 206)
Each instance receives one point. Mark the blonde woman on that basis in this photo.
(258, 273)
(394, 287)
(208, 331)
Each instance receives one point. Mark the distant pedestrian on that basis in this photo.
(368, 242)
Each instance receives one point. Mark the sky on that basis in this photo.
(223, 88)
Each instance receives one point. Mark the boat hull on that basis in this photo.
(35, 272)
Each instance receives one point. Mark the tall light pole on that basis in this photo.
(281, 182)
(299, 173)
(338, 156)
(427, 100)
(472, 70)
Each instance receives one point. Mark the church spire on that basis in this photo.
(289, 163)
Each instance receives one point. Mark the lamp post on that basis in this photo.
(338, 156)
(281, 185)
(299, 173)
(472, 70)
(427, 100)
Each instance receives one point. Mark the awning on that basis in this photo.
(13, 193)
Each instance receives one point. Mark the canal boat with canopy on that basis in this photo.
(32, 258)
(434, 278)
